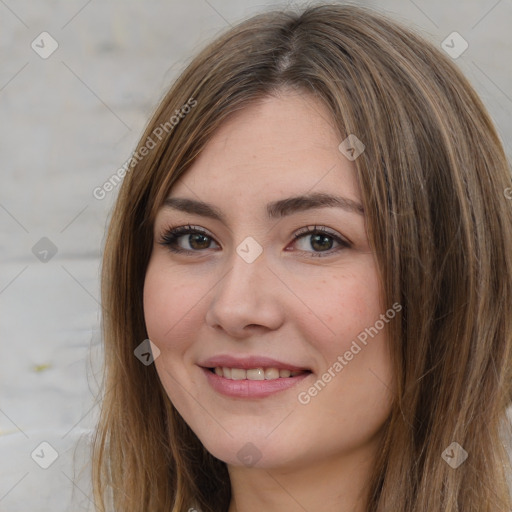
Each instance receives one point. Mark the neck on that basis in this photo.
(332, 485)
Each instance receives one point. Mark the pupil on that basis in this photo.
(197, 237)
(319, 242)
(322, 238)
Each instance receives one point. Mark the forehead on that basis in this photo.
(279, 147)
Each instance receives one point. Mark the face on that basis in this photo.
(267, 310)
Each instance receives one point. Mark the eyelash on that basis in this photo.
(172, 234)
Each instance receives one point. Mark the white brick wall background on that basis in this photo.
(70, 120)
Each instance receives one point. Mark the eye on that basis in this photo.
(194, 237)
(320, 239)
(190, 239)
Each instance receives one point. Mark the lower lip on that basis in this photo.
(251, 388)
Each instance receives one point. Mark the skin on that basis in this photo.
(288, 304)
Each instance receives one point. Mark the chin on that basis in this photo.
(250, 449)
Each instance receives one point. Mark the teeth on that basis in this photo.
(271, 373)
(238, 374)
(254, 373)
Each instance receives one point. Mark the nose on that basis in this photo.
(247, 298)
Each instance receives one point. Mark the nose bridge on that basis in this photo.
(243, 295)
(247, 271)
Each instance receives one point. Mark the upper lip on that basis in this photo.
(249, 362)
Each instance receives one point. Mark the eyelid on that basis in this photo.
(322, 229)
(170, 235)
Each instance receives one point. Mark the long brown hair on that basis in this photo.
(432, 177)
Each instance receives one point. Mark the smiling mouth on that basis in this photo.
(255, 373)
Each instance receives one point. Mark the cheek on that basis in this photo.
(341, 306)
(170, 306)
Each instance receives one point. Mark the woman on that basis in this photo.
(315, 236)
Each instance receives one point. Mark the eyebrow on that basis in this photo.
(275, 209)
